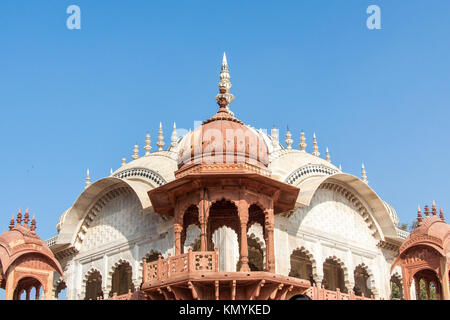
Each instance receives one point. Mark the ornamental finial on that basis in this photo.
(340, 167)
(302, 144)
(124, 161)
(160, 142)
(224, 98)
(174, 138)
(288, 140)
(147, 147)
(315, 146)
(427, 211)
(27, 217)
(274, 136)
(419, 216)
(19, 217)
(111, 172)
(88, 179)
(33, 224)
(364, 174)
(328, 156)
(11, 223)
(433, 208)
(441, 214)
(135, 152)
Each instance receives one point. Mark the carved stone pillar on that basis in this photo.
(445, 287)
(417, 285)
(269, 228)
(243, 218)
(203, 219)
(177, 228)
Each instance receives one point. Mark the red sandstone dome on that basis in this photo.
(433, 230)
(22, 240)
(223, 139)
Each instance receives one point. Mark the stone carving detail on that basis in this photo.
(308, 170)
(117, 217)
(332, 212)
(143, 173)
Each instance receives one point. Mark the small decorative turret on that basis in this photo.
(11, 223)
(124, 161)
(33, 224)
(288, 140)
(302, 143)
(19, 217)
(160, 142)
(135, 152)
(274, 135)
(441, 214)
(27, 217)
(174, 138)
(147, 147)
(88, 179)
(328, 156)
(433, 208)
(364, 174)
(315, 146)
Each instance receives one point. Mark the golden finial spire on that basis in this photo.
(288, 140)
(328, 156)
(174, 138)
(315, 146)
(364, 174)
(88, 179)
(302, 143)
(160, 142)
(135, 152)
(147, 147)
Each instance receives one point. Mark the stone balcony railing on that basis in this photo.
(183, 264)
(316, 293)
(51, 242)
(402, 233)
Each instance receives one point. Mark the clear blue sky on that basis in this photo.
(77, 99)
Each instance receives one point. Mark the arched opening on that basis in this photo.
(427, 285)
(301, 266)
(121, 281)
(362, 280)
(226, 240)
(191, 228)
(94, 286)
(222, 213)
(396, 287)
(333, 276)
(192, 238)
(60, 291)
(28, 288)
(255, 256)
